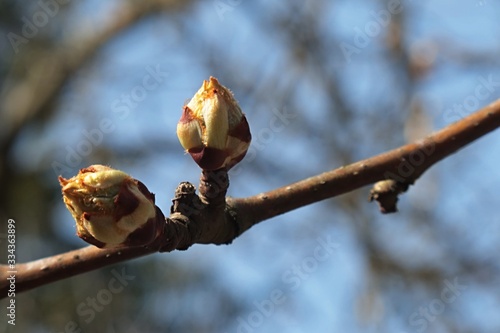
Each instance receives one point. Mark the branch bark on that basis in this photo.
(404, 164)
(193, 221)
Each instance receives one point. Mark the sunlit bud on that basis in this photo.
(386, 193)
(213, 129)
(111, 209)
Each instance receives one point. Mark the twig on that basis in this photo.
(193, 221)
(404, 164)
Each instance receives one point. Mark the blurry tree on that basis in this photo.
(359, 78)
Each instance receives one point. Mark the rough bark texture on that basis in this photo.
(209, 219)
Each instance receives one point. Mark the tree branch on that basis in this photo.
(193, 220)
(404, 164)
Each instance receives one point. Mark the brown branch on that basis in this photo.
(193, 221)
(43, 271)
(404, 164)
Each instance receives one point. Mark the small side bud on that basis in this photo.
(111, 209)
(386, 193)
(213, 129)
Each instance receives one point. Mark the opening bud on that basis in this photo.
(111, 209)
(213, 129)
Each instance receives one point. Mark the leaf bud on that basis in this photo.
(213, 129)
(111, 209)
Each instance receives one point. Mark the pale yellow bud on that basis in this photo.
(110, 208)
(213, 129)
